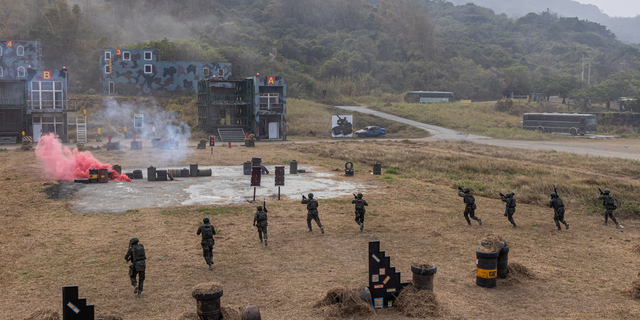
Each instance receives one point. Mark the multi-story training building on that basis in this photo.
(142, 72)
(33, 99)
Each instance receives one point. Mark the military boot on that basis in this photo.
(139, 293)
(617, 225)
(322, 230)
(605, 223)
(361, 227)
(265, 242)
(135, 290)
(479, 221)
(211, 266)
(566, 226)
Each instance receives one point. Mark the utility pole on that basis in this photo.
(589, 77)
(582, 68)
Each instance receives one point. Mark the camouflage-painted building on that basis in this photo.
(257, 104)
(142, 72)
(32, 98)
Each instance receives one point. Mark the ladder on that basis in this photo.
(81, 128)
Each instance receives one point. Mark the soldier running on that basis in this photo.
(260, 221)
(470, 205)
(558, 209)
(136, 255)
(511, 206)
(609, 204)
(312, 211)
(360, 210)
(207, 231)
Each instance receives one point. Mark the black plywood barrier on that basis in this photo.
(384, 281)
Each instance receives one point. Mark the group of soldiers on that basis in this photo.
(136, 253)
(556, 203)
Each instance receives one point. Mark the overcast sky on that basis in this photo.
(616, 8)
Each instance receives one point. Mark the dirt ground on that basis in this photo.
(580, 273)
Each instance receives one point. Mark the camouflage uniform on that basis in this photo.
(558, 209)
(260, 221)
(137, 256)
(510, 208)
(470, 206)
(360, 210)
(610, 205)
(312, 211)
(207, 231)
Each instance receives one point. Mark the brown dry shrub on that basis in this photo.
(43, 314)
(517, 272)
(206, 287)
(418, 303)
(636, 248)
(344, 302)
(111, 316)
(188, 316)
(633, 291)
(492, 243)
(233, 312)
(24, 148)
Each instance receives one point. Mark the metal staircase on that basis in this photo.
(231, 134)
(81, 128)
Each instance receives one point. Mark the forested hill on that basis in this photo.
(626, 29)
(349, 47)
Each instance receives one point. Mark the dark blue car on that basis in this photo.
(371, 131)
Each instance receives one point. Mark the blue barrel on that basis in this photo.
(246, 168)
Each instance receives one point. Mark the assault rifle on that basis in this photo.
(601, 193)
(354, 195)
(303, 197)
(555, 190)
(264, 205)
(460, 188)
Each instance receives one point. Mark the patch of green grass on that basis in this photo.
(311, 158)
(392, 171)
(3, 149)
(286, 160)
(337, 201)
(213, 211)
(133, 211)
(388, 178)
(571, 280)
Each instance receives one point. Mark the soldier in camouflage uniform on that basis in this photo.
(610, 205)
(260, 221)
(207, 231)
(360, 211)
(558, 209)
(136, 255)
(312, 211)
(470, 205)
(511, 206)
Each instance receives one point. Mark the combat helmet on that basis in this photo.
(466, 190)
(205, 220)
(133, 240)
(259, 208)
(310, 195)
(554, 195)
(607, 191)
(359, 195)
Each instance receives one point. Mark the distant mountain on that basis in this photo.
(626, 29)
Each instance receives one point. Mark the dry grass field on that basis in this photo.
(415, 212)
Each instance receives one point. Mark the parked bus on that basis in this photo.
(571, 123)
(428, 97)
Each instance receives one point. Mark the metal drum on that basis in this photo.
(117, 169)
(256, 161)
(377, 169)
(103, 175)
(208, 305)
(246, 168)
(293, 167)
(193, 169)
(185, 173)
(423, 277)
(161, 175)
(487, 269)
(204, 173)
(253, 313)
(503, 262)
(151, 173)
(93, 175)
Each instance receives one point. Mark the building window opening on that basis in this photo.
(147, 55)
(148, 68)
(126, 56)
(1, 72)
(270, 101)
(20, 72)
(221, 73)
(205, 72)
(20, 51)
(107, 69)
(47, 95)
(0, 51)
(107, 55)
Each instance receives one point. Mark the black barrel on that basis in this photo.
(503, 262)
(246, 168)
(137, 174)
(117, 169)
(487, 269)
(256, 161)
(348, 169)
(252, 313)
(423, 277)
(377, 169)
(161, 175)
(204, 173)
(110, 174)
(151, 173)
(193, 169)
(185, 172)
(293, 167)
(93, 175)
(129, 175)
(208, 305)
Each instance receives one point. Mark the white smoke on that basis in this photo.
(114, 116)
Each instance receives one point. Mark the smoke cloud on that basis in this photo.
(61, 163)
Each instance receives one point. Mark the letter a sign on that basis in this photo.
(271, 81)
(46, 74)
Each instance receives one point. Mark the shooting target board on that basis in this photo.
(384, 281)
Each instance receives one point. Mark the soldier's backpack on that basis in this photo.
(512, 203)
(559, 203)
(207, 231)
(610, 203)
(313, 204)
(469, 199)
(262, 216)
(137, 253)
(359, 204)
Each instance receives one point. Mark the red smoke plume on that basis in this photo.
(61, 163)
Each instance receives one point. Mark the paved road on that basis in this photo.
(615, 148)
